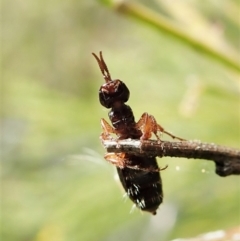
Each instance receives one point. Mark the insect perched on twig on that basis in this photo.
(139, 174)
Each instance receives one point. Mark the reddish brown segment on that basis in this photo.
(103, 67)
(138, 174)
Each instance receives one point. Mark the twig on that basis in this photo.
(148, 16)
(227, 159)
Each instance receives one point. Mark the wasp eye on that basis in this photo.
(113, 91)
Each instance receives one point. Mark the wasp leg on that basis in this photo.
(159, 128)
(148, 125)
(117, 159)
(107, 129)
(120, 160)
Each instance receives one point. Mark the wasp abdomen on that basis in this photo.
(144, 188)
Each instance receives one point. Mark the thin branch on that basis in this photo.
(154, 19)
(227, 159)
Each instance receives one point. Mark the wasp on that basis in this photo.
(139, 174)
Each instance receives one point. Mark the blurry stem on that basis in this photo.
(227, 159)
(152, 18)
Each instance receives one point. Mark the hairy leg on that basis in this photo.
(148, 125)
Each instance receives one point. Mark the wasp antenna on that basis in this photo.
(99, 63)
(108, 76)
(103, 67)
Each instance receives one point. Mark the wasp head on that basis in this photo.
(112, 92)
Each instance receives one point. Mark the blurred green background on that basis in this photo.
(55, 183)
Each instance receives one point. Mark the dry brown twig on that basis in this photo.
(227, 159)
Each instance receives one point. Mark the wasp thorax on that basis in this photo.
(113, 91)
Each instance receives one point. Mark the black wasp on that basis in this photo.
(139, 174)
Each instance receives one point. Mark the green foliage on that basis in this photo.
(55, 182)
